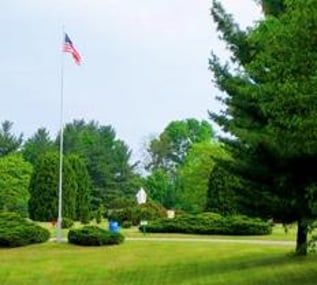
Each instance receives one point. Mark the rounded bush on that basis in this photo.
(94, 236)
(17, 231)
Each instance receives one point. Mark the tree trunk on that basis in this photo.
(301, 241)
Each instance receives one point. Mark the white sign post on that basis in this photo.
(141, 199)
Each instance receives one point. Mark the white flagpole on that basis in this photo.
(61, 143)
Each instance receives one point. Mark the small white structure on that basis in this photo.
(141, 196)
(170, 214)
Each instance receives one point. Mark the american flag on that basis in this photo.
(69, 47)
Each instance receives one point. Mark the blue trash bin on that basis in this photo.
(113, 226)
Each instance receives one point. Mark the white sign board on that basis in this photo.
(143, 223)
(141, 196)
(170, 214)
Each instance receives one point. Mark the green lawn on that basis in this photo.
(155, 262)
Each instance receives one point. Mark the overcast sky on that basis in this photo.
(145, 62)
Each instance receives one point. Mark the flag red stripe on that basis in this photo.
(69, 47)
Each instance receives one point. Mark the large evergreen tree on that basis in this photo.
(83, 195)
(43, 203)
(38, 144)
(272, 7)
(222, 194)
(272, 107)
(9, 142)
(107, 159)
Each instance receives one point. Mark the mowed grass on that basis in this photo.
(156, 262)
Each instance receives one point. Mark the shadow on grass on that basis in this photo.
(279, 270)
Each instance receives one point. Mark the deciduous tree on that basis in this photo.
(15, 175)
(169, 150)
(193, 175)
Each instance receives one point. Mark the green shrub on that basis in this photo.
(99, 214)
(67, 223)
(94, 236)
(17, 231)
(126, 224)
(243, 225)
(85, 219)
(210, 223)
(148, 211)
(121, 215)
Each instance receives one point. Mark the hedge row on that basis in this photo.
(17, 231)
(94, 236)
(210, 223)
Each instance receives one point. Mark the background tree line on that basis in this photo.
(98, 172)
